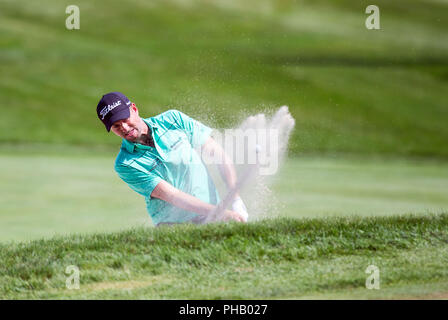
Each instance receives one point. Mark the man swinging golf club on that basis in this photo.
(158, 160)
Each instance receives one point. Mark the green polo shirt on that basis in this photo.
(174, 159)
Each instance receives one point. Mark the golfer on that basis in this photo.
(158, 159)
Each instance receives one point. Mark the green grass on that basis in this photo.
(350, 90)
(280, 258)
(370, 141)
(68, 190)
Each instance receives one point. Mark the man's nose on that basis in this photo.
(124, 127)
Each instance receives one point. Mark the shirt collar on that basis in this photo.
(130, 146)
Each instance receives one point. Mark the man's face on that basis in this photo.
(131, 128)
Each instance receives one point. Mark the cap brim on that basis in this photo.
(119, 115)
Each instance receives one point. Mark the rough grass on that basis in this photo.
(270, 259)
(350, 90)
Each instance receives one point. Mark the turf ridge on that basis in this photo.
(188, 253)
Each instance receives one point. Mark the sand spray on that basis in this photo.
(257, 147)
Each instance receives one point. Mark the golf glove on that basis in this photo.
(239, 207)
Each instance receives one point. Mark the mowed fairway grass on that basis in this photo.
(44, 195)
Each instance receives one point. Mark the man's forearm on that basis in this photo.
(228, 172)
(180, 199)
(224, 162)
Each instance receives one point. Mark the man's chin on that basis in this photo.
(131, 138)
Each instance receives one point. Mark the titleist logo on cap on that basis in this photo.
(108, 108)
(112, 107)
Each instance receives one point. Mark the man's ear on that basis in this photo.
(134, 108)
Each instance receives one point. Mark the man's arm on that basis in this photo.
(213, 150)
(199, 135)
(180, 199)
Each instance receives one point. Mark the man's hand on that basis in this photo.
(232, 215)
(238, 206)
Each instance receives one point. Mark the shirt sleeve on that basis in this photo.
(138, 179)
(196, 131)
